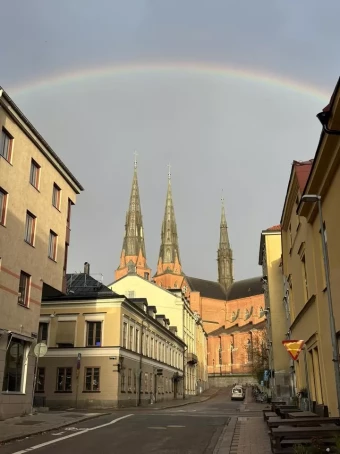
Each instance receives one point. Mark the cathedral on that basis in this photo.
(232, 312)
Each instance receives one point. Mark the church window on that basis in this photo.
(168, 255)
(176, 285)
(146, 276)
(131, 267)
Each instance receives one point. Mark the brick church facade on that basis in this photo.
(232, 312)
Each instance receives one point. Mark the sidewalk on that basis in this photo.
(246, 435)
(26, 426)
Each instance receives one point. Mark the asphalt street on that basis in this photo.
(194, 428)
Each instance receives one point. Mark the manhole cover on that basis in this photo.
(28, 423)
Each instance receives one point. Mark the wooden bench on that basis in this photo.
(269, 414)
(283, 439)
(273, 422)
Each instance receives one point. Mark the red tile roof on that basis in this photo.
(274, 228)
(302, 170)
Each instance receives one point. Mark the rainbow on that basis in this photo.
(210, 70)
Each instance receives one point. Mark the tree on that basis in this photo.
(258, 353)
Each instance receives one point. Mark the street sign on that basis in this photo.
(293, 347)
(40, 350)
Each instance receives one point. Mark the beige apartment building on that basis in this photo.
(277, 316)
(303, 260)
(37, 192)
(189, 325)
(105, 350)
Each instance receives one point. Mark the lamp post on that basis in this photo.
(308, 198)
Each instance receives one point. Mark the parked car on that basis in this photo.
(237, 393)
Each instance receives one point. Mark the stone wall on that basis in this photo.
(224, 381)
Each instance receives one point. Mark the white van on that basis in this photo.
(237, 393)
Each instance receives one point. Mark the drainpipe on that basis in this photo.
(140, 366)
(323, 118)
(220, 355)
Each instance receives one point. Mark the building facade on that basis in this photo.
(303, 260)
(105, 350)
(177, 308)
(276, 311)
(231, 345)
(37, 193)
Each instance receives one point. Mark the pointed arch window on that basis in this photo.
(168, 255)
(131, 267)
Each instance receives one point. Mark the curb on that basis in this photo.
(204, 399)
(40, 432)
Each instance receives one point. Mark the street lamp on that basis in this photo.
(309, 198)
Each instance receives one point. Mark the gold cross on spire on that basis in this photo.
(135, 155)
(169, 171)
(222, 198)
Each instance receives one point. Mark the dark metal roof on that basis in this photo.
(237, 329)
(207, 289)
(82, 285)
(245, 288)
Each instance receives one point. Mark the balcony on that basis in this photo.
(192, 358)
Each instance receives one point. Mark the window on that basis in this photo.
(131, 338)
(146, 382)
(52, 246)
(56, 196)
(147, 345)
(129, 378)
(94, 334)
(24, 284)
(135, 382)
(40, 381)
(6, 142)
(290, 236)
(3, 206)
(30, 228)
(92, 379)
(14, 366)
(131, 294)
(64, 379)
(152, 347)
(35, 174)
(146, 276)
(137, 341)
(43, 332)
(122, 382)
(125, 335)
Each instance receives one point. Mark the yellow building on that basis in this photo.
(105, 350)
(37, 192)
(176, 306)
(303, 260)
(277, 316)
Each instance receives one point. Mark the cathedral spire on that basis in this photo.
(224, 254)
(169, 261)
(133, 256)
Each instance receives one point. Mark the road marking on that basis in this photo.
(157, 428)
(175, 426)
(33, 448)
(60, 433)
(75, 428)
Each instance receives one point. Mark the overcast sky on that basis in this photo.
(217, 132)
